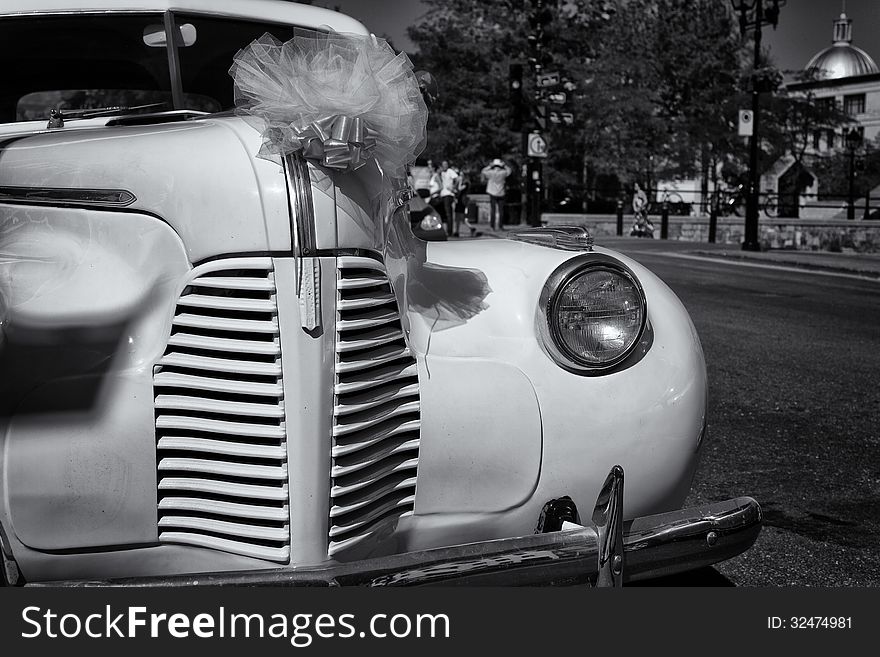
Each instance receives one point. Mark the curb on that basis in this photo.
(800, 264)
(484, 232)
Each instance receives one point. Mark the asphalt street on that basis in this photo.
(793, 359)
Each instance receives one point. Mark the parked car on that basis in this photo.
(220, 368)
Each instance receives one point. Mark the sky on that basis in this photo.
(385, 18)
(805, 26)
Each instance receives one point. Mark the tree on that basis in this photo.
(666, 79)
(651, 80)
(467, 45)
(833, 171)
(794, 117)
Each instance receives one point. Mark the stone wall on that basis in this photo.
(862, 236)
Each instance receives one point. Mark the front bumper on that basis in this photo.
(605, 552)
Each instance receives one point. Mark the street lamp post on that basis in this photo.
(761, 17)
(534, 182)
(853, 139)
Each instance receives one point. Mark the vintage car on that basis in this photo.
(219, 368)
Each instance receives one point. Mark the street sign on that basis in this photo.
(567, 118)
(541, 117)
(746, 123)
(537, 145)
(548, 80)
(557, 97)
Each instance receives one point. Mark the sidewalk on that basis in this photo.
(862, 264)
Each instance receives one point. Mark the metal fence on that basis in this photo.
(724, 202)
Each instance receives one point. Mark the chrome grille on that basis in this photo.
(376, 417)
(221, 436)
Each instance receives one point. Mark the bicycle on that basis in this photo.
(771, 206)
(734, 202)
(729, 201)
(673, 201)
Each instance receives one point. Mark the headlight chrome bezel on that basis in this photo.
(550, 294)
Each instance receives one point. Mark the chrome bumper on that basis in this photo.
(606, 552)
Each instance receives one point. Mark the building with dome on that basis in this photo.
(842, 59)
(847, 76)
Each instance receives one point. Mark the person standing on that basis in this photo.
(642, 227)
(449, 179)
(462, 200)
(434, 187)
(496, 173)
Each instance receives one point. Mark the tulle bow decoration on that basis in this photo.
(341, 99)
(338, 142)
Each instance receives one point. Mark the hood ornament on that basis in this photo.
(567, 238)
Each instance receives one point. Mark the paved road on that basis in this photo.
(794, 372)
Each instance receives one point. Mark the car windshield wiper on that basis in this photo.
(104, 111)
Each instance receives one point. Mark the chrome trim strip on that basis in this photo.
(309, 287)
(78, 12)
(301, 207)
(80, 196)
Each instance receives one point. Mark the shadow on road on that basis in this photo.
(701, 577)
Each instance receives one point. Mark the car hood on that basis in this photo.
(200, 176)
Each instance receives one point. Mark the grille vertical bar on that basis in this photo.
(376, 418)
(219, 400)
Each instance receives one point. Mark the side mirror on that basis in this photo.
(428, 87)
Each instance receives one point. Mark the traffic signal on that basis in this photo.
(540, 15)
(771, 14)
(515, 93)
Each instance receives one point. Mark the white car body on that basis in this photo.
(100, 444)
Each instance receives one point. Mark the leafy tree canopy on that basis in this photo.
(656, 87)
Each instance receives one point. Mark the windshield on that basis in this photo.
(85, 63)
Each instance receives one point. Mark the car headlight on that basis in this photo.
(592, 313)
(431, 222)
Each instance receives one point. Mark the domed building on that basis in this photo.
(847, 76)
(841, 59)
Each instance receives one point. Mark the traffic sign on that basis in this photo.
(557, 97)
(548, 80)
(541, 117)
(555, 118)
(537, 145)
(567, 118)
(746, 123)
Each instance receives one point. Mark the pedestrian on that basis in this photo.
(449, 179)
(641, 226)
(462, 200)
(434, 187)
(496, 173)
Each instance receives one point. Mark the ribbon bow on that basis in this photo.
(337, 141)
